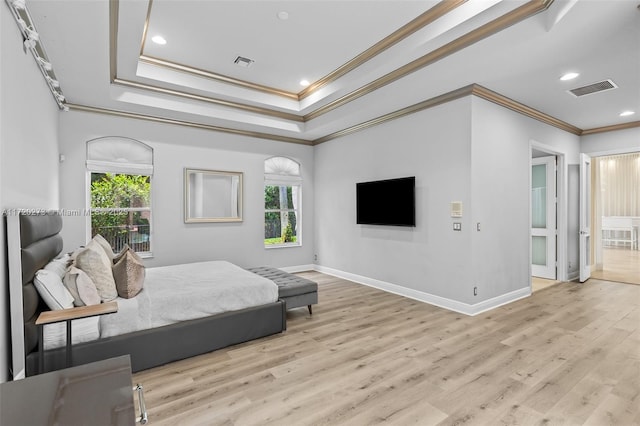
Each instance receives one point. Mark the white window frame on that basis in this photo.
(121, 166)
(272, 179)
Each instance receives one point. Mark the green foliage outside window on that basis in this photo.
(126, 199)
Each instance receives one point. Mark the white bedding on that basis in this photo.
(182, 292)
(172, 294)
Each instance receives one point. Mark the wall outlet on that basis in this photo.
(457, 226)
(315, 257)
(475, 291)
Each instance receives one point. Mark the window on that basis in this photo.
(120, 172)
(282, 200)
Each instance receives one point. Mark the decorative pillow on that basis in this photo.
(81, 287)
(52, 291)
(60, 265)
(129, 274)
(118, 256)
(106, 246)
(94, 261)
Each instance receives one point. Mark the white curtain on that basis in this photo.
(619, 184)
(616, 192)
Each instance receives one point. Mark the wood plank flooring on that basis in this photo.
(567, 355)
(619, 264)
(538, 284)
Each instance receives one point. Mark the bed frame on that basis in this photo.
(34, 240)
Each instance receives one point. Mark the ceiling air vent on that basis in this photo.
(589, 89)
(243, 62)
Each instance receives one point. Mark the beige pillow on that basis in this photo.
(118, 256)
(81, 287)
(129, 274)
(94, 261)
(105, 246)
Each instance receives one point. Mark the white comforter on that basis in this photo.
(188, 291)
(178, 293)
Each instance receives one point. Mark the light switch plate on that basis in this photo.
(457, 226)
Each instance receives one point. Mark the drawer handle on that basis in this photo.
(143, 408)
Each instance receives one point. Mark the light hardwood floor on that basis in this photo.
(568, 355)
(622, 265)
(538, 284)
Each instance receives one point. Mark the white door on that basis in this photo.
(585, 217)
(543, 217)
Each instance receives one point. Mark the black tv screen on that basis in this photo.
(386, 202)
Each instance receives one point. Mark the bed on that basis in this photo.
(34, 240)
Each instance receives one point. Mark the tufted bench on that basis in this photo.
(294, 290)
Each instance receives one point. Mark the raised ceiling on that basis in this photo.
(365, 60)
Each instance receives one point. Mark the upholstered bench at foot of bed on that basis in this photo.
(295, 291)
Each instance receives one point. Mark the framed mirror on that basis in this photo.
(212, 196)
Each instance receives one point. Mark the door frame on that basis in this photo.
(550, 231)
(561, 206)
(592, 155)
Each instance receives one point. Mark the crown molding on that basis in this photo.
(114, 6)
(612, 128)
(523, 12)
(434, 13)
(397, 36)
(217, 77)
(156, 119)
(182, 94)
(429, 103)
(470, 90)
(491, 96)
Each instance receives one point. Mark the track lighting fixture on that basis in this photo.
(18, 4)
(52, 82)
(32, 35)
(44, 64)
(23, 25)
(30, 43)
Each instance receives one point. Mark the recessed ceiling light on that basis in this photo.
(569, 76)
(304, 83)
(626, 113)
(159, 40)
(283, 16)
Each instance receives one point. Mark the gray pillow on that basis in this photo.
(96, 264)
(129, 274)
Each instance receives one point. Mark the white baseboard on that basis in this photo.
(442, 302)
(298, 268)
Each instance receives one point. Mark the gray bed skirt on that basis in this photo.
(158, 346)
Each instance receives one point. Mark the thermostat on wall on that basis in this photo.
(456, 209)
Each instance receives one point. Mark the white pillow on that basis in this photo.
(60, 265)
(95, 262)
(52, 290)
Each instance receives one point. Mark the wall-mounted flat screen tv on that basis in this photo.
(386, 202)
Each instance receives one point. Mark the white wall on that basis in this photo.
(501, 173)
(28, 147)
(468, 150)
(618, 142)
(433, 146)
(177, 147)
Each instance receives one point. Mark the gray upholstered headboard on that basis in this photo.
(32, 241)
